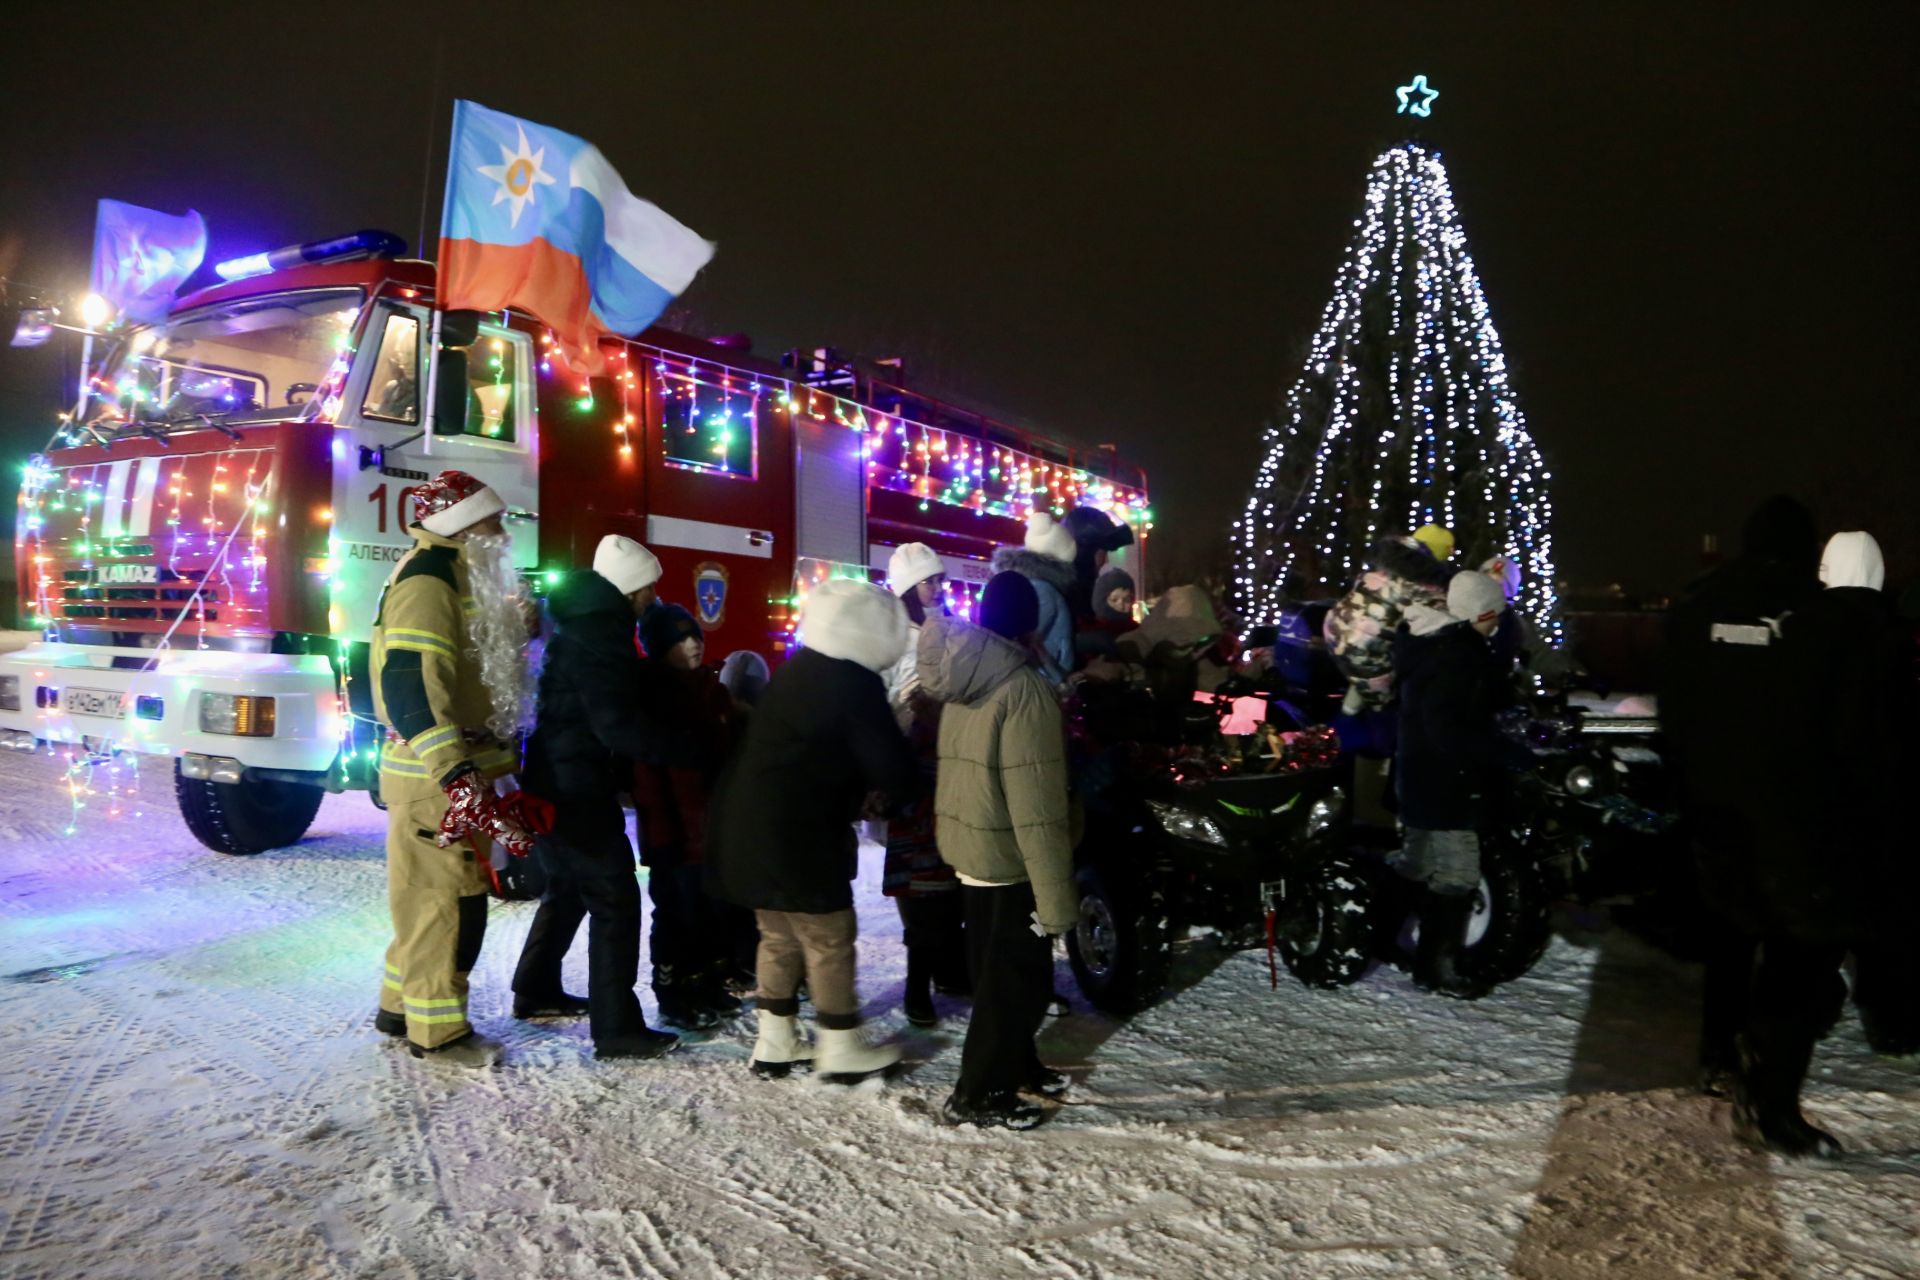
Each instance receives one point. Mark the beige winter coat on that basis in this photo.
(1000, 805)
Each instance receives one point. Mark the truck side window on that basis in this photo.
(709, 420)
(393, 392)
(493, 367)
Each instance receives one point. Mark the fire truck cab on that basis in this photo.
(204, 546)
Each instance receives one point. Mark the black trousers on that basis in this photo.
(932, 927)
(1797, 994)
(1783, 993)
(1726, 996)
(589, 865)
(1012, 971)
(688, 943)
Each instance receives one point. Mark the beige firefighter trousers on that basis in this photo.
(438, 898)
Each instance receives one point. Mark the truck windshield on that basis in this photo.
(263, 357)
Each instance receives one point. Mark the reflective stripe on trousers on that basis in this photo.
(438, 902)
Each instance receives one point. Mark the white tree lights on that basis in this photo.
(1402, 415)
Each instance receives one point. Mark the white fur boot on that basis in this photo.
(846, 1056)
(781, 1045)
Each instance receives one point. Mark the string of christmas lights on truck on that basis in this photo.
(204, 543)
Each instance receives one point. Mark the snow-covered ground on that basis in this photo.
(189, 1085)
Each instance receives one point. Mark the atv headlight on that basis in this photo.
(1186, 824)
(1580, 781)
(1326, 811)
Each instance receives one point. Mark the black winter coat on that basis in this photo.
(602, 706)
(1449, 746)
(1731, 738)
(780, 834)
(1851, 717)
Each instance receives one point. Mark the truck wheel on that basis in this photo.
(1511, 922)
(245, 817)
(1329, 935)
(1119, 950)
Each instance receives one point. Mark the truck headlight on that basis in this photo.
(1326, 811)
(1580, 781)
(9, 693)
(1186, 824)
(238, 715)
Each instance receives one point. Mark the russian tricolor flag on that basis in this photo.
(538, 221)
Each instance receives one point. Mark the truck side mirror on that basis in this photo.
(459, 330)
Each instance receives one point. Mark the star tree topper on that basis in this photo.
(1418, 89)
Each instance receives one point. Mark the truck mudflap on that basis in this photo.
(263, 711)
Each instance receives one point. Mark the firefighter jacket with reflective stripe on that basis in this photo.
(426, 682)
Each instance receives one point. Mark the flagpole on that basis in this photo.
(439, 274)
(433, 380)
(86, 360)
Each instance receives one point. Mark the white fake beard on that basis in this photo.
(498, 634)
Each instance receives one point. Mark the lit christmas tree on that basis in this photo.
(1403, 414)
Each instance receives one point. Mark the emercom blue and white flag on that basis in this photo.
(537, 220)
(141, 257)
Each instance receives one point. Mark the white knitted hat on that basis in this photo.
(911, 564)
(625, 563)
(1048, 537)
(1474, 597)
(855, 620)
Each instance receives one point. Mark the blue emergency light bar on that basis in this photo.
(361, 244)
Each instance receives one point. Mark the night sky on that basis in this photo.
(1120, 223)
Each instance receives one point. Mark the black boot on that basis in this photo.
(680, 1000)
(917, 1001)
(684, 1009)
(1002, 1111)
(1443, 936)
(557, 1005)
(1886, 991)
(716, 999)
(1766, 1099)
(643, 1043)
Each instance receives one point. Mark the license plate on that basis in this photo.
(91, 702)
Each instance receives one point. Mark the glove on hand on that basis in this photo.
(527, 810)
(473, 809)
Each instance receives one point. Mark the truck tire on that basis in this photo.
(1120, 949)
(1328, 941)
(245, 817)
(1512, 916)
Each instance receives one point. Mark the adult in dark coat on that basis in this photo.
(1772, 985)
(1853, 698)
(1445, 763)
(601, 708)
(780, 835)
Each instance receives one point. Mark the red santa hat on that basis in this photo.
(453, 502)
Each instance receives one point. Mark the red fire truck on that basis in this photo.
(205, 545)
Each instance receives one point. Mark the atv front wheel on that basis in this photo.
(1511, 923)
(1328, 931)
(1119, 950)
